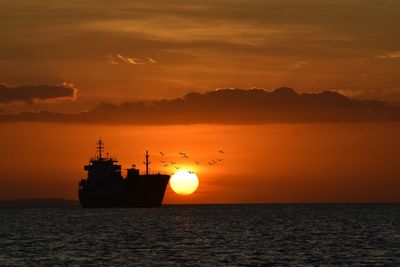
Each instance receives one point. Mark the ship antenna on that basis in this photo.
(147, 162)
(100, 148)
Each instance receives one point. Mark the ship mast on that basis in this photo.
(147, 162)
(100, 148)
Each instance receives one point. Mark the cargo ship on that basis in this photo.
(105, 187)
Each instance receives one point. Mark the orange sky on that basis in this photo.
(352, 46)
(270, 163)
(70, 56)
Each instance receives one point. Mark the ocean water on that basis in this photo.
(203, 235)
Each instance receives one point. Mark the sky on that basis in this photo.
(200, 76)
(128, 50)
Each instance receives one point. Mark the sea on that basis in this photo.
(203, 235)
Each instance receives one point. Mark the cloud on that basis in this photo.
(298, 65)
(118, 58)
(31, 93)
(130, 60)
(229, 106)
(111, 60)
(152, 60)
(222, 44)
(384, 93)
(390, 55)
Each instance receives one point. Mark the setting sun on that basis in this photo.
(184, 182)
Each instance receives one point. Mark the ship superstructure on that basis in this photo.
(105, 187)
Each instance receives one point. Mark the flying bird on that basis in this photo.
(197, 162)
(220, 151)
(177, 168)
(162, 154)
(172, 162)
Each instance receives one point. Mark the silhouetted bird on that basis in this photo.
(220, 151)
(220, 159)
(197, 162)
(162, 154)
(172, 162)
(177, 168)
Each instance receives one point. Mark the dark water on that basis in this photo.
(216, 235)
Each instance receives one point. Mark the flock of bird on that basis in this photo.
(172, 163)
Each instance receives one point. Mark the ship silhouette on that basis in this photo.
(105, 187)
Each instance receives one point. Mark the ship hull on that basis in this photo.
(142, 191)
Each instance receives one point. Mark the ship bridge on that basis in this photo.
(103, 168)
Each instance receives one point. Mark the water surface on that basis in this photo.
(203, 235)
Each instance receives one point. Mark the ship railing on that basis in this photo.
(107, 158)
(155, 172)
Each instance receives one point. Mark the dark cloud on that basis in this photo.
(30, 93)
(229, 106)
